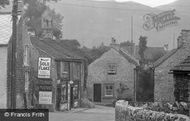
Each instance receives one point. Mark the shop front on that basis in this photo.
(68, 85)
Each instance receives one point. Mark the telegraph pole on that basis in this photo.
(13, 56)
(132, 51)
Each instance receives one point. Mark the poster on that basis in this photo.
(44, 66)
(45, 97)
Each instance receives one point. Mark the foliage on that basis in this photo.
(85, 103)
(167, 107)
(3, 3)
(144, 85)
(34, 11)
(142, 47)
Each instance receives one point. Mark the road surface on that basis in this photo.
(99, 113)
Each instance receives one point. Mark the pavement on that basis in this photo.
(99, 113)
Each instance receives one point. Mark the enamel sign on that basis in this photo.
(45, 97)
(44, 66)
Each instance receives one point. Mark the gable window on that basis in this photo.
(112, 69)
(108, 90)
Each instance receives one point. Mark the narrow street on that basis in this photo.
(99, 113)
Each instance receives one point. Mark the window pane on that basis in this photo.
(108, 90)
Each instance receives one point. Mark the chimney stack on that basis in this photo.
(184, 39)
(114, 44)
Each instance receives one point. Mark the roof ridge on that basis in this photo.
(68, 52)
(126, 52)
(165, 57)
(130, 58)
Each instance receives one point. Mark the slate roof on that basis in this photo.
(5, 28)
(183, 66)
(127, 56)
(164, 58)
(54, 49)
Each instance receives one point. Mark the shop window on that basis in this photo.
(75, 92)
(26, 55)
(109, 90)
(76, 71)
(63, 94)
(65, 70)
(112, 69)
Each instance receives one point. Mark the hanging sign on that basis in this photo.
(45, 97)
(44, 65)
(160, 21)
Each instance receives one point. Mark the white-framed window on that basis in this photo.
(112, 69)
(109, 90)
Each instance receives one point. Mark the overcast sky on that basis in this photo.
(152, 3)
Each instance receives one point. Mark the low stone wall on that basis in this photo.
(125, 112)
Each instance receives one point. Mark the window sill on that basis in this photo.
(108, 97)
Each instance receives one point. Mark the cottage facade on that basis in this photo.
(111, 76)
(164, 80)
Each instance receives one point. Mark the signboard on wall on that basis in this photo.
(45, 97)
(44, 66)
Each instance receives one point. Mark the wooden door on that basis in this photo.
(97, 92)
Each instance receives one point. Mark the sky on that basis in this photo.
(151, 3)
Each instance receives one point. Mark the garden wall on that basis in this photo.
(125, 112)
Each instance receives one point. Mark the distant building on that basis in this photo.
(151, 54)
(5, 34)
(112, 76)
(166, 65)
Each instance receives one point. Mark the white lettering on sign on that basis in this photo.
(44, 66)
(45, 97)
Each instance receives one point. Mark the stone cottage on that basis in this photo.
(164, 79)
(6, 29)
(181, 74)
(111, 76)
(48, 74)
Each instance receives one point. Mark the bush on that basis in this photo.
(85, 103)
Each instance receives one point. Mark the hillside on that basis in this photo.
(95, 22)
(182, 8)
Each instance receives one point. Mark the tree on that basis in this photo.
(126, 44)
(142, 48)
(34, 12)
(3, 3)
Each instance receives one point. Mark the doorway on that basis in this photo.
(71, 97)
(97, 92)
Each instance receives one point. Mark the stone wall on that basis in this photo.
(125, 112)
(164, 83)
